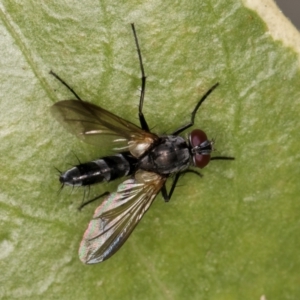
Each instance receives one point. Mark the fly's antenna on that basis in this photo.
(212, 142)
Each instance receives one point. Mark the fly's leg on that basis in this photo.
(164, 192)
(65, 84)
(143, 122)
(191, 123)
(222, 158)
(177, 176)
(92, 200)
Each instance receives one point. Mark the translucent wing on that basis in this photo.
(117, 216)
(98, 126)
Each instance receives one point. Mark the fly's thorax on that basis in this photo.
(171, 154)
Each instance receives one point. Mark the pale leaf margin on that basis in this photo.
(280, 27)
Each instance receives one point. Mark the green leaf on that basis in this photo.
(234, 234)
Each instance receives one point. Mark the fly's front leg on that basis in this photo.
(191, 123)
(222, 158)
(143, 121)
(164, 192)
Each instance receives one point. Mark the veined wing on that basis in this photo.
(98, 126)
(117, 216)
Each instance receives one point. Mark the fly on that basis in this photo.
(147, 158)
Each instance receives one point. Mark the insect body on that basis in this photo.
(148, 159)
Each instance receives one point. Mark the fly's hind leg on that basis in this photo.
(92, 200)
(65, 84)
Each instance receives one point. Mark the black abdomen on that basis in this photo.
(105, 169)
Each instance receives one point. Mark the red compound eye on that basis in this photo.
(197, 137)
(200, 160)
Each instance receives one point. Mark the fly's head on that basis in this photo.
(201, 148)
